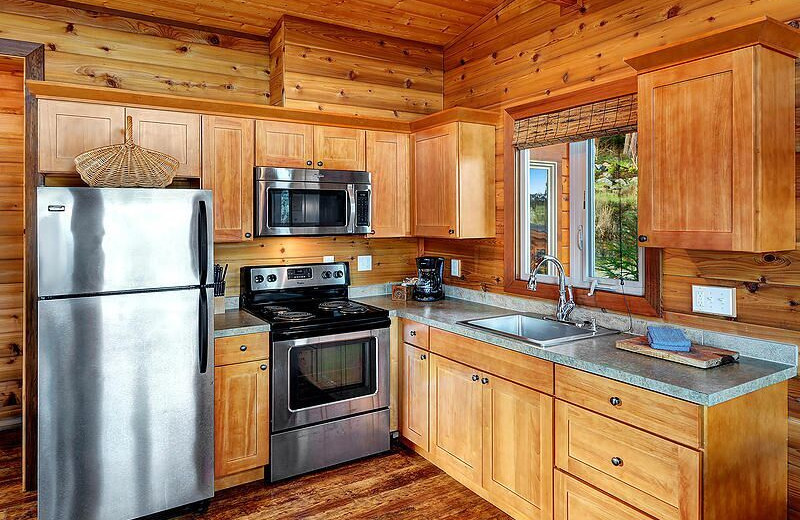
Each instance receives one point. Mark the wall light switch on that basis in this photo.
(365, 263)
(455, 267)
(714, 300)
(328, 259)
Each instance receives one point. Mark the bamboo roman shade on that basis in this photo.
(609, 117)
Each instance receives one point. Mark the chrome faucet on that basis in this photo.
(565, 306)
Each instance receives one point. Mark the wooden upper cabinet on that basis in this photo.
(389, 162)
(454, 191)
(67, 129)
(173, 133)
(340, 148)
(284, 145)
(241, 417)
(228, 173)
(717, 140)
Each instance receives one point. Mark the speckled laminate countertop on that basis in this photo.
(236, 322)
(600, 356)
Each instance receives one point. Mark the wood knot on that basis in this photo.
(603, 23)
(795, 24)
(113, 81)
(581, 26)
(565, 77)
(793, 303)
(535, 57)
(70, 28)
(51, 46)
(494, 55)
(408, 83)
(673, 11)
(213, 39)
(752, 287)
(183, 49)
(462, 61)
(352, 75)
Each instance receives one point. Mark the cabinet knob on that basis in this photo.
(642, 238)
(485, 381)
(319, 163)
(243, 348)
(248, 235)
(615, 401)
(616, 461)
(309, 163)
(451, 231)
(412, 333)
(475, 377)
(263, 367)
(423, 357)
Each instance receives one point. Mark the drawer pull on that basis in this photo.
(616, 461)
(263, 367)
(243, 348)
(423, 357)
(475, 377)
(485, 381)
(615, 401)
(412, 333)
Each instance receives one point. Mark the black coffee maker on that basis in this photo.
(430, 273)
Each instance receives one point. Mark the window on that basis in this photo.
(596, 239)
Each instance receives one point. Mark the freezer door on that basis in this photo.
(95, 240)
(126, 404)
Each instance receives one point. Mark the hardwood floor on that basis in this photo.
(397, 485)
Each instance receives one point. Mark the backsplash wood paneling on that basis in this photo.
(103, 50)
(11, 250)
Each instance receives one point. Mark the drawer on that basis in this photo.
(415, 334)
(239, 349)
(665, 416)
(575, 500)
(657, 476)
(515, 366)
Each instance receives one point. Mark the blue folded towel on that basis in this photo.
(666, 338)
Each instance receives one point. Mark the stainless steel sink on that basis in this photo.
(539, 330)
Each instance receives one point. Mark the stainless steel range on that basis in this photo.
(330, 366)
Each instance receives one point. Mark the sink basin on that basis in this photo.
(539, 330)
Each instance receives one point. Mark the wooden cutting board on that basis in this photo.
(699, 356)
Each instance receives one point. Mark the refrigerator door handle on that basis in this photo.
(202, 241)
(203, 329)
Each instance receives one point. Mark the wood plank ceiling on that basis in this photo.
(430, 21)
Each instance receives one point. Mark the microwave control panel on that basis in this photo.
(362, 209)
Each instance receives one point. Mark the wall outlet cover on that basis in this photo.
(328, 259)
(455, 268)
(365, 263)
(720, 301)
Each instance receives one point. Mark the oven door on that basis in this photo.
(323, 378)
(304, 208)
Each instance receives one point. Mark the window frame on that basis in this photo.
(648, 304)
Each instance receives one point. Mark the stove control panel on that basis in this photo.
(268, 278)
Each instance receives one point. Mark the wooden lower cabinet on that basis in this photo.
(241, 417)
(494, 436)
(578, 501)
(414, 387)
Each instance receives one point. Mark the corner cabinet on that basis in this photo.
(228, 173)
(454, 181)
(717, 140)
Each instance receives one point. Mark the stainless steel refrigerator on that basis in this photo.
(126, 379)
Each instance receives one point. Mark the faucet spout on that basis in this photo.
(565, 305)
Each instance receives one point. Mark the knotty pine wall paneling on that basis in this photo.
(12, 131)
(529, 52)
(117, 52)
(318, 66)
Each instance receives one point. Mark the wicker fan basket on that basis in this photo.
(126, 165)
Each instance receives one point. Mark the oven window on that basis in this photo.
(307, 208)
(330, 372)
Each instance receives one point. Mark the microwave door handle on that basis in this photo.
(351, 216)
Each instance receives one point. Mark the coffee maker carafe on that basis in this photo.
(430, 272)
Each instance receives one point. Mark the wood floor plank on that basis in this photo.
(399, 485)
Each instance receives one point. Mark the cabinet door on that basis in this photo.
(388, 159)
(241, 417)
(436, 182)
(284, 145)
(228, 173)
(414, 386)
(340, 148)
(173, 133)
(518, 447)
(689, 143)
(67, 129)
(577, 501)
(457, 418)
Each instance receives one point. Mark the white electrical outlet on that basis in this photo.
(365, 263)
(714, 300)
(455, 267)
(328, 259)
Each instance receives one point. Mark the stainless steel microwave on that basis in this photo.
(312, 202)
